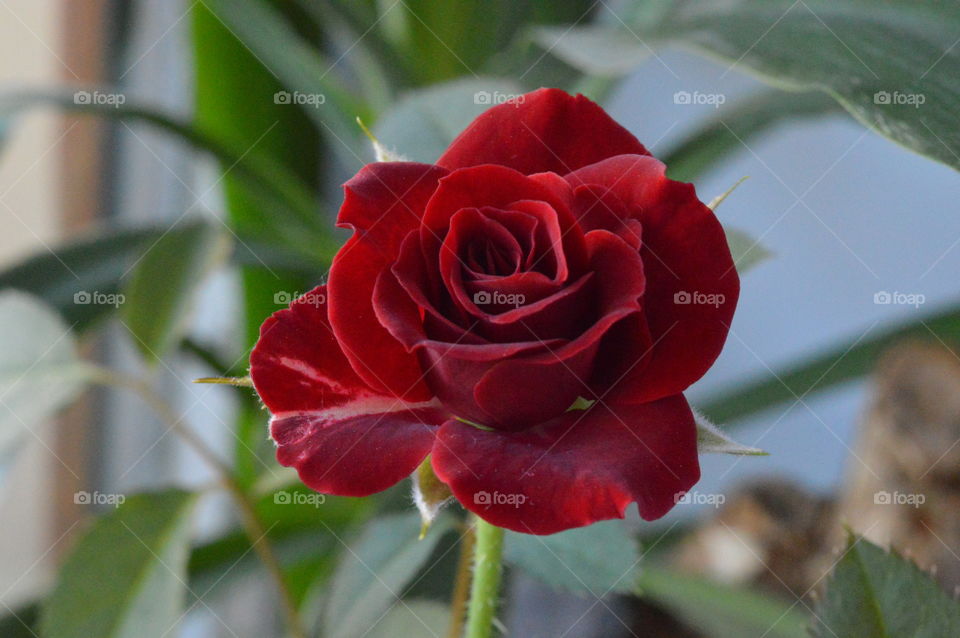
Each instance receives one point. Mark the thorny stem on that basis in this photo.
(249, 518)
(487, 569)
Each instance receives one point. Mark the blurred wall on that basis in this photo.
(30, 36)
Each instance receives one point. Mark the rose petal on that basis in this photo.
(684, 252)
(518, 392)
(580, 468)
(383, 203)
(341, 436)
(297, 364)
(493, 186)
(355, 455)
(599, 208)
(546, 130)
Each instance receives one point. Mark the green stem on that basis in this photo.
(487, 569)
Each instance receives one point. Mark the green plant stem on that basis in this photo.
(250, 520)
(487, 569)
(461, 586)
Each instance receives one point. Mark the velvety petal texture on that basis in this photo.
(545, 259)
(341, 436)
(582, 467)
(383, 202)
(693, 284)
(546, 130)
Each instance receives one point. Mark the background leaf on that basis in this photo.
(720, 611)
(162, 283)
(597, 559)
(863, 53)
(876, 594)
(374, 571)
(125, 577)
(299, 65)
(92, 264)
(594, 49)
(293, 205)
(39, 368)
(413, 618)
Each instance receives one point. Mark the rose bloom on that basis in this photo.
(527, 312)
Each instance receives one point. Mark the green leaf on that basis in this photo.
(737, 125)
(20, 622)
(125, 577)
(423, 123)
(293, 206)
(304, 530)
(597, 559)
(40, 371)
(748, 253)
(298, 64)
(876, 594)
(826, 369)
(371, 61)
(162, 283)
(894, 65)
(413, 618)
(720, 611)
(595, 50)
(374, 572)
(92, 264)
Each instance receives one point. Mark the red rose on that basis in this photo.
(543, 259)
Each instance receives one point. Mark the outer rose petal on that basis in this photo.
(546, 130)
(580, 468)
(383, 203)
(358, 455)
(341, 436)
(684, 252)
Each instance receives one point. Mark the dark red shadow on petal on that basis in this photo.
(580, 468)
(383, 203)
(692, 284)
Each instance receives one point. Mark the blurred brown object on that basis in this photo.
(901, 489)
(764, 535)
